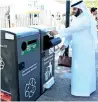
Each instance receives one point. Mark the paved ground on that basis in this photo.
(61, 91)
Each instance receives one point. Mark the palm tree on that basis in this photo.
(93, 3)
(89, 4)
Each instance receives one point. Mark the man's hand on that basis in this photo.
(54, 32)
(96, 19)
(63, 47)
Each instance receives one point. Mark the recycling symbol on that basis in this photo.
(2, 64)
(30, 88)
(51, 51)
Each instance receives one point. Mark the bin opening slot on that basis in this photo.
(46, 40)
(32, 41)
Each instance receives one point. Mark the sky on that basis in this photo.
(10, 2)
(22, 4)
(58, 6)
(24, 1)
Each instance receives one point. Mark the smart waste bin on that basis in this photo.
(20, 64)
(48, 43)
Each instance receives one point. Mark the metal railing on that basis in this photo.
(9, 20)
(16, 20)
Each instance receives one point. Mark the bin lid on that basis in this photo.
(43, 28)
(20, 31)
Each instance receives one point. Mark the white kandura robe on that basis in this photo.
(83, 80)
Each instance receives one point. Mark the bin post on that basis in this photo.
(67, 13)
(67, 23)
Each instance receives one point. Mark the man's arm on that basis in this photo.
(74, 28)
(83, 24)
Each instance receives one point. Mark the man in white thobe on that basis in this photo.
(94, 13)
(83, 34)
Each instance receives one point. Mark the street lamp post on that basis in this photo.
(9, 22)
(67, 21)
(67, 13)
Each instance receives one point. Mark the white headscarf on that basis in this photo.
(82, 6)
